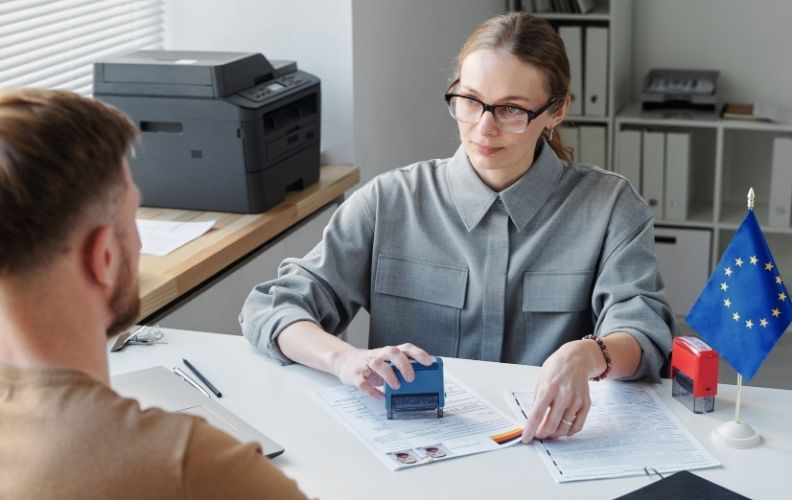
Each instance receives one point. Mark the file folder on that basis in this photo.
(781, 183)
(595, 81)
(628, 156)
(573, 41)
(653, 174)
(682, 484)
(677, 176)
(592, 145)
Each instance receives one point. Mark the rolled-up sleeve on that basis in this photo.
(327, 286)
(629, 295)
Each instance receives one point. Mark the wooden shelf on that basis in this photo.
(233, 236)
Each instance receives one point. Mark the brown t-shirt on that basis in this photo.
(66, 435)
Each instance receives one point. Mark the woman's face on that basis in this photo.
(499, 77)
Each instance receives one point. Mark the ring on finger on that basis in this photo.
(567, 422)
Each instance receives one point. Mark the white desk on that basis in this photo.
(330, 463)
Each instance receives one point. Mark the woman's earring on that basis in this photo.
(550, 136)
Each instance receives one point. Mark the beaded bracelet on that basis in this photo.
(608, 362)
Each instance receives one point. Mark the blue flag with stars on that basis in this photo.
(744, 308)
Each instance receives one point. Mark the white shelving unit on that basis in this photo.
(617, 16)
(727, 156)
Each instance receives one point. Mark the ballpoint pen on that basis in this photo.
(178, 371)
(203, 379)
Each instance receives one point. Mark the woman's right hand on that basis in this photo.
(368, 369)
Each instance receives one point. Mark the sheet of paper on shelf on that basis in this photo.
(162, 237)
(773, 112)
(629, 427)
(469, 425)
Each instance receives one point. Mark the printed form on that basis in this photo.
(469, 425)
(629, 427)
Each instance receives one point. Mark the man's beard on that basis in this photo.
(124, 302)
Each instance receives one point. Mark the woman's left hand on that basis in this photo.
(561, 400)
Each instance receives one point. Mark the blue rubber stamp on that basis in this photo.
(425, 393)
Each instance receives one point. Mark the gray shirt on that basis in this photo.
(444, 262)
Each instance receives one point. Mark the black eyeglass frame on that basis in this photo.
(532, 115)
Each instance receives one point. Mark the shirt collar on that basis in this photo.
(522, 200)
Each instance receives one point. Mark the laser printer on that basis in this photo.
(681, 93)
(221, 131)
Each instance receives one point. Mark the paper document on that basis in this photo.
(773, 113)
(162, 237)
(629, 427)
(469, 425)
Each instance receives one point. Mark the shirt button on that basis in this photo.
(499, 201)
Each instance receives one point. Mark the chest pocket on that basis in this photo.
(555, 310)
(556, 292)
(418, 302)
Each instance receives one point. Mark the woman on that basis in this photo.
(505, 252)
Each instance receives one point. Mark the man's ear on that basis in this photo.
(100, 250)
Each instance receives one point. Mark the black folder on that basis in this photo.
(682, 485)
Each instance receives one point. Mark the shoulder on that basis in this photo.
(398, 188)
(407, 179)
(609, 190)
(201, 460)
(215, 463)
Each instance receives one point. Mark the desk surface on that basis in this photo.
(164, 279)
(329, 462)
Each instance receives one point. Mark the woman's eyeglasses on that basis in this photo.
(510, 118)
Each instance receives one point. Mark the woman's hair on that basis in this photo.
(534, 41)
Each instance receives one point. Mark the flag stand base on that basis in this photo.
(736, 434)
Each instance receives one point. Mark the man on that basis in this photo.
(69, 250)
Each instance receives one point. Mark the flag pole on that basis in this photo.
(751, 203)
(735, 433)
(739, 394)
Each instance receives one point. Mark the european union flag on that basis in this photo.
(744, 308)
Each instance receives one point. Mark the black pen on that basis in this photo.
(203, 379)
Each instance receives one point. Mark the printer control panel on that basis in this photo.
(268, 89)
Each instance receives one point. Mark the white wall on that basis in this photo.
(403, 54)
(384, 64)
(748, 41)
(315, 33)
(384, 67)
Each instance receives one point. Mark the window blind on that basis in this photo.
(54, 43)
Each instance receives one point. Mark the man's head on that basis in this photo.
(65, 189)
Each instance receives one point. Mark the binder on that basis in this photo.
(571, 134)
(677, 176)
(781, 183)
(653, 171)
(592, 145)
(628, 156)
(595, 81)
(573, 41)
(585, 6)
